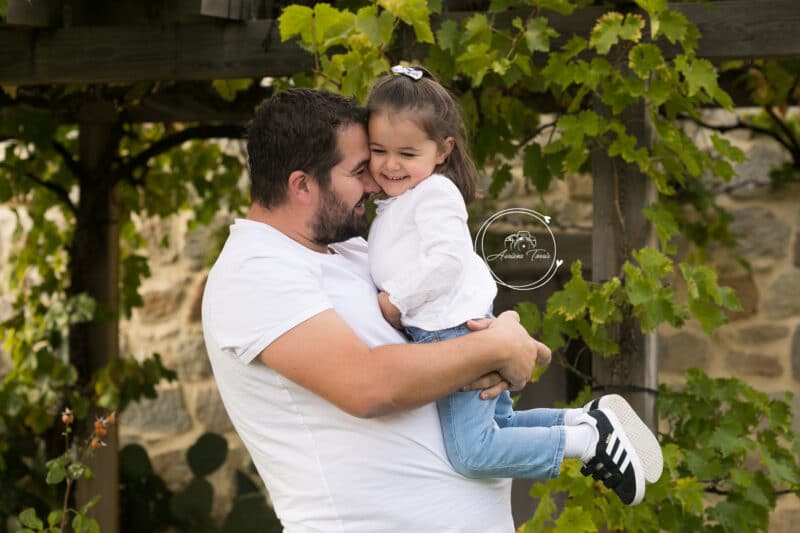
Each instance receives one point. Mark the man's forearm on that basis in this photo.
(325, 356)
(412, 375)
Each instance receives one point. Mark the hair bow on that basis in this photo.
(412, 73)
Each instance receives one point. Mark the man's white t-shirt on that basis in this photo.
(327, 471)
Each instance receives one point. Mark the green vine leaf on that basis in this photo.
(677, 29)
(534, 166)
(55, 517)
(727, 149)
(448, 36)
(575, 519)
(632, 28)
(538, 35)
(331, 26)
(605, 33)
(56, 470)
(699, 74)
(529, 317)
(665, 224)
(570, 302)
(29, 519)
(414, 13)
(644, 59)
(544, 510)
(228, 89)
(652, 6)
(91, 503)
(377, 27)
(476, 61)
(603, 303)
(613, 26)
(562, 7)
(296, 20)
(502, 177)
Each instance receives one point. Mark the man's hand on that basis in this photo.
(524, 354)
(491, 386)
(390, 312)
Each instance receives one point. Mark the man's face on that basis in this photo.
(341, 214)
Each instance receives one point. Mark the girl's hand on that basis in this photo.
(390, 312)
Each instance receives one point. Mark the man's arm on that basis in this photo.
(326, 357)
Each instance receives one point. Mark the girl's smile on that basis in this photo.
(401, 153)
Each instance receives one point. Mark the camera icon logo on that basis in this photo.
(536, 261)
(521, 241)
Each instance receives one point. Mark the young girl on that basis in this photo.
(432, 282)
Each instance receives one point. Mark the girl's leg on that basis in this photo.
(477, 447)
(506, 416)
(485, 438)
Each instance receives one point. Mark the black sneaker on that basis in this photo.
(615, 463)
(643, 439)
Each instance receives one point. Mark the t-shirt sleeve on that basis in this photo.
(263, 299)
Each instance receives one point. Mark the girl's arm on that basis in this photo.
(390, 311)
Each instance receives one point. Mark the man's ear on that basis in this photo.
(444, 151)
(300, 186)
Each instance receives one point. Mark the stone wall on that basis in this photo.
(169, 324)
(761, 344)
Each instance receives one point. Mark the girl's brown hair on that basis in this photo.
(436, 113)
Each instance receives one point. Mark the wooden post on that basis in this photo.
(95, 271)
(620, 193)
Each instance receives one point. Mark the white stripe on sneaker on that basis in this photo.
(625, 464)
(611, 443)
(617, 456)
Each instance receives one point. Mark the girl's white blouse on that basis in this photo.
(421, 253)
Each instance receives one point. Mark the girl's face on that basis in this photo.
(401, 154)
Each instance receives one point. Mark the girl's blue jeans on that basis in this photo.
(487, 438)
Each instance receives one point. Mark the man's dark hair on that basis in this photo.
(296, 129)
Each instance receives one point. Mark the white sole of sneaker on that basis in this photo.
(635, 461)
(643, 440)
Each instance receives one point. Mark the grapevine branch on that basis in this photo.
(713, 489)
(59, 191)
(617, 208)
(795, 148)
(69, 160)
(140, 160)
(515, 41)
(562, 360)
(792, 147)
(539, 130)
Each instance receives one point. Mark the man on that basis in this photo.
(333, 406)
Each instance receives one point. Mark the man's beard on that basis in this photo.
(335, 221)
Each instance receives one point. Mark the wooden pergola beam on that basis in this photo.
(34, 13)
(214, 50)
(745, 29)
(222, 50)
